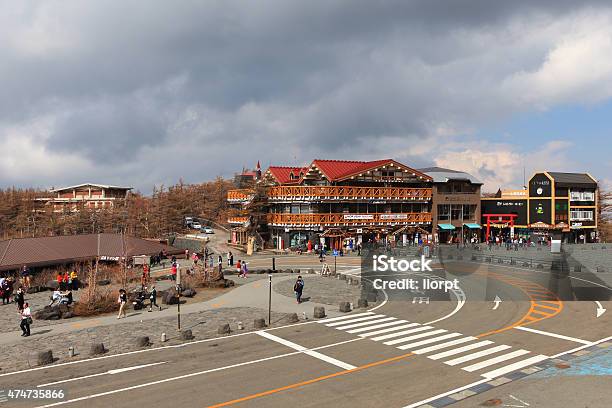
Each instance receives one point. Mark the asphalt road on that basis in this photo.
(405, 353)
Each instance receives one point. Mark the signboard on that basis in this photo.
(359, 230)
(358, 216)
(539, 186)
(540, 211)
(393, 216)
(506, 206)
(109, 258)
(141, 259)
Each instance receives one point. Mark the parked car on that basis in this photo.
(208, 230)
(196, 226)
(188, 221)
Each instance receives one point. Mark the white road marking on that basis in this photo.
(515, 366)
(394, 328)
(582, 347)
(414, 337)
(478, 354)
(559, 336)
(600, 309)
(495, 360)
(306, 351)
(351, 326)
(180, 377)
(390, 336)
(447, 393)
(359, 319)
(444, 345)
(335, 319)
(435, 339)
(460, 350)
(378, 326)
(109, 372)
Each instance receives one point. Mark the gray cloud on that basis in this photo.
(199, 89)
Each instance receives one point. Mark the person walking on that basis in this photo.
(153, 299)
(122, 302)
(26, 320)
(230, 259)
(174, 271)
(298, 288)
(220, 262)
(245, 269)
(239, 268)
(20, 298)
(74, 278)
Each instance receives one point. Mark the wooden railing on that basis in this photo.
(290, 193)
(343, 219)
(237, 220)
(243, 194)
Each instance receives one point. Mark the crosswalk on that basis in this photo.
(454, 349)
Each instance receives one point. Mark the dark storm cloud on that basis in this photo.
(278, 80)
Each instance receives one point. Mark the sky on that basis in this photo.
(143, 93)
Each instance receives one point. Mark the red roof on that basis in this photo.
(283, 174)
(336, 170)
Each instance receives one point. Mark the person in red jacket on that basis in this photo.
(60, 281)
(174, 271)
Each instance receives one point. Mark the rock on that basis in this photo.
(97, 349)
(62, 308)
(311, 271)
(170, 297)
(189, 293)
(224, 329)
(104, 282)
(539, 266)
(52, 285)
(319, 312)
(362, 303)
(292, 318)
(143, 341)
(526, 264)
(296, 271)
(44, 357)
(186, 335)
(67, 315)
(33, 289)
(345, 307)
(342, 277)
(259, 323)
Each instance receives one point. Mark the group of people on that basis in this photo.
(67, 280)
(242, 269)
(6, 289)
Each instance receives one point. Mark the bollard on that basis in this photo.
(345, 307)
(240, 326)
(304, 315)
(70, 351)
(163, 338)
(319, 312)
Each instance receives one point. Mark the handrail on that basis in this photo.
(346, 219)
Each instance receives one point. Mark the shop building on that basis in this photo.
(337, 204)
(562, 205)
(456, 204)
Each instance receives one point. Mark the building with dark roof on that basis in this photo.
(87, 195)
(69, 249)
(455, 209)
(555, 204)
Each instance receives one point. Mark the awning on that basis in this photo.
(472, 226)
(448, 227)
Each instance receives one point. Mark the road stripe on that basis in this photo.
(334, 319)
(460, 350)
(515, 366)
(109, 372)
(478, 354)
(378, 326)
(360, 319)
(495, 360)
(304, 350)
(394, 328)
(444, 345)
(414, 337)
(390, 336)
(351, 326)
(558, 336)
(435, 339)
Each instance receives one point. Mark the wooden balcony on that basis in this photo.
(238, 220)
(344, 219)
(347, 193)
(240, 195)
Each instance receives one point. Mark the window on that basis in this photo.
(581, 215)
(443, 212)
(582, 196)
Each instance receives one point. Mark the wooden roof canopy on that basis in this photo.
(338, 170)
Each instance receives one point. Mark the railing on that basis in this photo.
(238, 220)
(343, 219)
(347, 193)
(240, 195)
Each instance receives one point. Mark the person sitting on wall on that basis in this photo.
(55, 297)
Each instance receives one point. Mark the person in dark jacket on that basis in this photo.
(19, 299)
(153, 299)
(298, 288)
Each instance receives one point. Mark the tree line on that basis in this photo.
(146, 216)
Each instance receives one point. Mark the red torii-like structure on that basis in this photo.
(501, 218)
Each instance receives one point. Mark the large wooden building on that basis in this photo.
(87, 195)
(335, 203)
